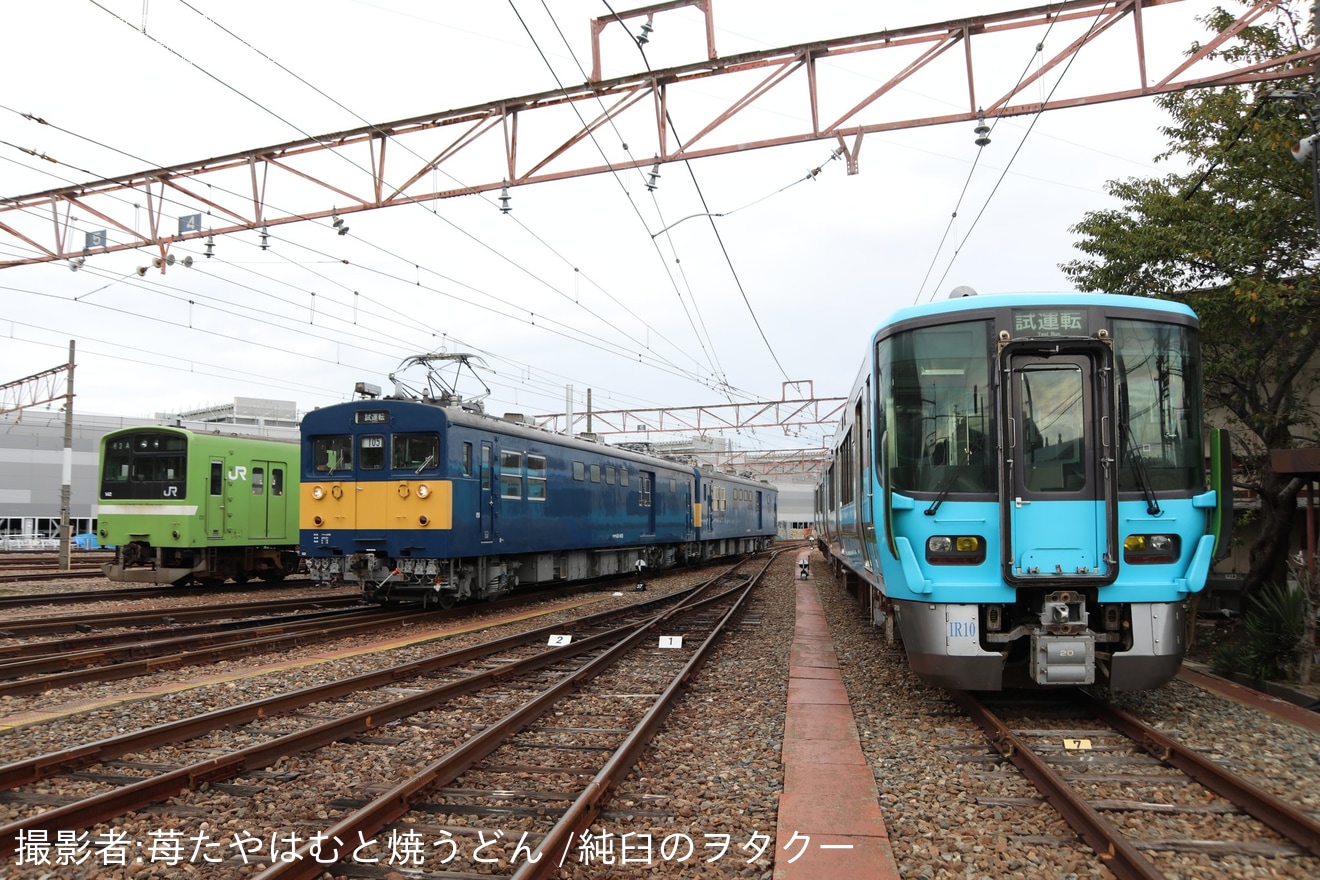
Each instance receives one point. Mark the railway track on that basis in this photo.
(73, 597)
(29, 670)
(38, 560)
(157, 617)
(1111, 777)
(461, 726)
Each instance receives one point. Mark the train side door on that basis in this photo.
(258, 516)
(1059, 460)
(270, 506)
(691, 532)
(486, 501)
(864, 465)
(645, 487)
(215, 502)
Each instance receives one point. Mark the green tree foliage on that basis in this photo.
(1233, 235)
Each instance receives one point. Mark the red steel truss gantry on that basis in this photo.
(548, 136)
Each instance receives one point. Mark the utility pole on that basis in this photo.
(66, 488)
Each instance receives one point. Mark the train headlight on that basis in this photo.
(1151, 549)
(955, 549)
(423, 490)
(318, 493)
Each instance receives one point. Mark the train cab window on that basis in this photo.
(485, 466)
(467, 459)
(332, 455)
(536, 477)
(277, 481)
(1053, 427)
(579, 471)
(258, 480)
(595, 473)
(116, 460)
(371, 452)
(415, 452)
(609, 475)
(937, 411)
(643, 490)
(1159, 400)
(511, 474)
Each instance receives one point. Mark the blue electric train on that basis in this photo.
(1019, 483)
(430, 500)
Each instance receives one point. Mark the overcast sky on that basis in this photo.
(571, 288)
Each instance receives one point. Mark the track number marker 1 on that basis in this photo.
(671, 641)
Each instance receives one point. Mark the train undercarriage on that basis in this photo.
(445, 582)
(140, 563)
(1049, 637)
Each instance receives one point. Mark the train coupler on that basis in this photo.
(1063, 659)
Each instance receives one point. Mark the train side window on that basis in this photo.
(511, 475)
(623, 477)
(536, 477)
(333, 454)
(371, 452)
(217, 478)
(609, 475)
(579, 471)
(595, 473)
(467, 459)
(258, 480)
(277, 481)
(415, 452)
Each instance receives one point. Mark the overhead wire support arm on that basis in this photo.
(242, 187)
(34, 390)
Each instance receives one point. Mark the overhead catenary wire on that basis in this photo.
(630, 354)
(702, 340)
(706, 208)
(1004, 173)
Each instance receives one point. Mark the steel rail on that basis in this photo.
(31, 600)
(399, 799)
(70, 574)
(109, 805)
(1114, 850)
(32, 649)
(46, 661)
(155, 617)
(586, 808)
(42, 767)
(1278, 814)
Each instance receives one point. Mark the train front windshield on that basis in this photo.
(1159, 404)
(147, 464)
(938, 412)
(936, 406)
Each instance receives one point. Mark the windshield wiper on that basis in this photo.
(944, 490)
(1143, 478)
(426, 463)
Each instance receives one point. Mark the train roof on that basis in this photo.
(976, 302)
(218, 432)
(458, 415)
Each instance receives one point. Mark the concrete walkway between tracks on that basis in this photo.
(829, 814)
